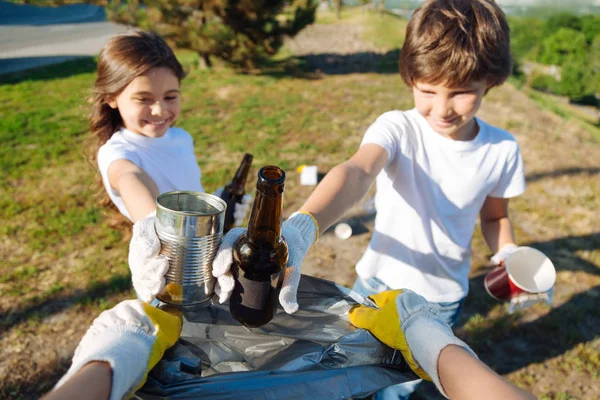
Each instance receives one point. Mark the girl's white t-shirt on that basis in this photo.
(169, 160)
(428, 197)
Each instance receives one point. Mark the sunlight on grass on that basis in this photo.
(385, 30)
(565, 111)
(60, 249)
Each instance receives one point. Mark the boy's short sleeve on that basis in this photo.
(111, 152)
(512, 180)
(388, 131)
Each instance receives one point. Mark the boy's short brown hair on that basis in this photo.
(453, 42)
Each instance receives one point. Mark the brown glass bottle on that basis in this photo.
(235, 190)
(261, 254)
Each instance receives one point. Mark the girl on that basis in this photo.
(139, 153)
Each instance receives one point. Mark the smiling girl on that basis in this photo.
(139, 153)
(137, 100)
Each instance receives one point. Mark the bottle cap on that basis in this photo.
(343, 230)
(309, 175)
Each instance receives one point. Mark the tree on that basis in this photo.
(565, 43)
(338, 8)
(561, 20)
(241, 32)
(590, 26)
(592, 76)
(525, 36)
(572, 79)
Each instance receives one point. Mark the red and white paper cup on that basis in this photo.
(526, 270)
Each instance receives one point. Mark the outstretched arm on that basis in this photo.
(345, 185)
(115, 355)
(94, 379)
(465, 377)
(137, 189)
(407, 322)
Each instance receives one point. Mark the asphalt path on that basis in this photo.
(34, 36)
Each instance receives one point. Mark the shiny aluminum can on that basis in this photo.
(190, 228)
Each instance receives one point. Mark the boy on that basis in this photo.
(436, 168)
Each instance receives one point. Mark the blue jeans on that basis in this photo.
(449, 311)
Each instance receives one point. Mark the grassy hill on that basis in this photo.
(63, 262)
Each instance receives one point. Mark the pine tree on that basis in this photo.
(241, 32)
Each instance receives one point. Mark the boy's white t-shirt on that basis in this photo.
(428, 197)
(169, 160)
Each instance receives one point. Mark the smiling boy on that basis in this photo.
(437, 166)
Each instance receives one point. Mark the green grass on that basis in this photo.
(48, 204)
(385, 30)
(58, 245)
(566, 111)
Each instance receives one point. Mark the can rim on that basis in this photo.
(212, 197)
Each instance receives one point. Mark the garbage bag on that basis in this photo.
(312, 354)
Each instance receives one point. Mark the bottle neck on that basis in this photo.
(238, 183)
(264, 223)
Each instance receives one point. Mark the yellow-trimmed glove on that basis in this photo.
(407, 322)
(132, 337)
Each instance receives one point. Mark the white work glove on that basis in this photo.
(522, 300)
(132, 337)
(148, 267)
(502, 254)
(241, 209)
(300, 232)
(407, 322)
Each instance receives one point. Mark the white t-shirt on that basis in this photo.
(169, 160)
(428, 197)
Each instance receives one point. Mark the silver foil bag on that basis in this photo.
(313, 354)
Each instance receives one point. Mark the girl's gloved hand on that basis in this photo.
(407, 322)
(300, 231)
(132, 337)
(148, 267)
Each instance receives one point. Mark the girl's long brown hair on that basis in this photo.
(121, 60)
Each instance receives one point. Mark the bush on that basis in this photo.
(544, 83)
(564, 44)
(525, 37)
(238, 32)
(572, 81)
(561, 20)
(590, 27)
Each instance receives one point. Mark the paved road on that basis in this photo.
(35, 36)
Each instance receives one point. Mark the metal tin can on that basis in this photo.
(190, 228)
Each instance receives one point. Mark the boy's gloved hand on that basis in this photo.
(523, 300)
(526, 300)
(502, 254)
(241, 209)
(148, 267)
(132, 337)
(300, 231)
(407, 322)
